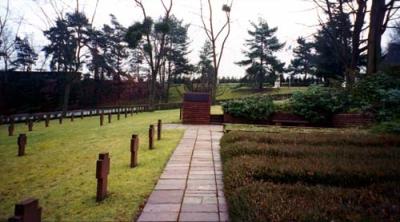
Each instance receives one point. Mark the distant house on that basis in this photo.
(392, 58)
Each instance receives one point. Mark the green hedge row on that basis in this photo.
(311, 176)
(243, 170)
(241, 148)
(334, 139)
(279, 202)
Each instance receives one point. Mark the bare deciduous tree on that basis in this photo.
(213, 35)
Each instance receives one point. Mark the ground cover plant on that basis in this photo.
(311, 175)
(60, 161)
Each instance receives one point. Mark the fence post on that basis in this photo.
(109, 117)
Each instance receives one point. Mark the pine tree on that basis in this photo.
(26, 55)
(262, 64)
(205, 65)
(302, 63)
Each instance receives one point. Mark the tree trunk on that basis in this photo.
(378, 10)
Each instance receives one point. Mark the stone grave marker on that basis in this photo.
(30, 125)
(102, 171)
(134, 150)
(22, 140)
(11, 128)
(151, 137)
(159, 128)
(27, 211)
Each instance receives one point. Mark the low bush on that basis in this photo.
(254, 108)
(241, 148)
(340, 172)
(318, 104)
(311, 177)
(379, 94)
(388, 127)
(334, 139)
(261, 202)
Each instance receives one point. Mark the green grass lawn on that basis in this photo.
(234, 90)
(60, 161)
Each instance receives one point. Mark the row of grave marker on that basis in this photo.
(29, 209)
(29, 121)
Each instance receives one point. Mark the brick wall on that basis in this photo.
(351, 119)
(196, 108)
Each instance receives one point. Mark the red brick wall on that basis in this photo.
(351, 119)
(196, 113)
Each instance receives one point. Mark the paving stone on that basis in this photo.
(199, 217)
(200, 208)
(166, 197)
(171, 184)
(191, 180)
(156, 208)
(163, 216)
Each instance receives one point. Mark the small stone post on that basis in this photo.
(11, 128)
(27, 211)
(81, 114)
(72, 117)
(109, 117)
(134, 150)
(47, 120)
(30, 125)
(159, 126)
(22, 140)
(102, 171)
(151, 137)
(118, 114)
(126, 112)
(101, 119)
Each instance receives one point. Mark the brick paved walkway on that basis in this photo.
(190, 188)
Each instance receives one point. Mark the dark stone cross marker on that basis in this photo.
(27, 211)
(102, 171)
(30, 125)
(11, 128)
(134, 150)
(101, 119)
(159, 126)
(109, 117)
(151, 137)
(47, 121)
(22, 140)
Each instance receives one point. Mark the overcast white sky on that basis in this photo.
(293, 17)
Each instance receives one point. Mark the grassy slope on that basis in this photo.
(232, 90)
(59, 167)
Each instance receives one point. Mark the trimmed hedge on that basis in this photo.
(335, 139)
(243, 170)
(311, 176)
(241, 148)
(262, 202)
